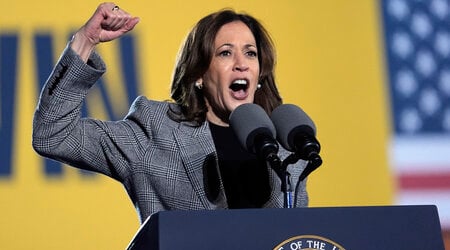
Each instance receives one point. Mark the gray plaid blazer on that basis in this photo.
(163, 164)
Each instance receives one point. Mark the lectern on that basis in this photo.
(330, 228)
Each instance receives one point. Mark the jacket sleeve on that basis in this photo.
(61, 134)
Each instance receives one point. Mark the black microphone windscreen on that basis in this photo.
(290, 119)
(249, 120)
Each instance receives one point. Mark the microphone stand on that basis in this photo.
(285, 177)
(266, 148)
(280, 168)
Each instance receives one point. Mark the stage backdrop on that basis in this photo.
(330, 62)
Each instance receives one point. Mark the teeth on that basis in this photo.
(240, 82)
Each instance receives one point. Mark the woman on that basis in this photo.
(170, 155)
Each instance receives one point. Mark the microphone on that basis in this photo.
(255, 131)
(297, 132)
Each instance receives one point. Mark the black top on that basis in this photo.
(245, 178)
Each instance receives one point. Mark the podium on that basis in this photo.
(327, 228)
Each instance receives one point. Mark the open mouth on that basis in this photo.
(239, 85)
(239, 89)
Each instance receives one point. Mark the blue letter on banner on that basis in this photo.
(8, 78)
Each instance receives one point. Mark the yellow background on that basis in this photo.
(330, 62)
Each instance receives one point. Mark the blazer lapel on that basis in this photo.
(197, 150)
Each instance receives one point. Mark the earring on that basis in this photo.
(198, 85)
(258, 86)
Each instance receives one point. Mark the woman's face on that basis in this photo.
(232, 76)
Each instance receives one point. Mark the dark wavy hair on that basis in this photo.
(195, 57)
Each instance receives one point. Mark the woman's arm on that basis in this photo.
(59, 132)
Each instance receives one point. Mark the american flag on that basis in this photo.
(417, 45)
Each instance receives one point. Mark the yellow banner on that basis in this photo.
(329, 62)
